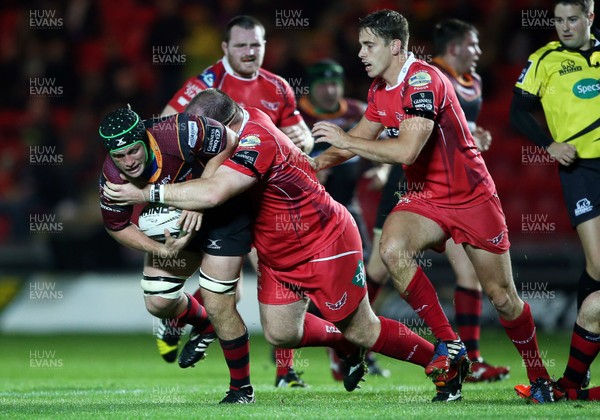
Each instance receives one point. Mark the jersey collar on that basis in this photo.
(245, 119)
(410, 59)
(231, 72)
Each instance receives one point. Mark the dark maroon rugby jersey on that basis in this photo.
(180, 146)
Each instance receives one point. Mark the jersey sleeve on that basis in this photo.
(200, 137)
(115, 217)
(289, 114)
(532, 78)
(254, 156)
(424, 93)
(183, 96)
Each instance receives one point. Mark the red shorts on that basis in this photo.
(482, 226)
(334, 279)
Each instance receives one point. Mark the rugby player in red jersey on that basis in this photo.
(449, 190)
(456, 48)
(170, 150)
(308, 247)
(240, 74)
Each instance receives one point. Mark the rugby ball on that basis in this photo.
(156, 217)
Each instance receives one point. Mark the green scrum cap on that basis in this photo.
(122, 128)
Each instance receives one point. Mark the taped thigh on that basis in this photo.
(222, 287)
(162, 286)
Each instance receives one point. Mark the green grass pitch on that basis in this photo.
(122, 376)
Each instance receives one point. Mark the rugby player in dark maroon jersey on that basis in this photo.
(169, 150)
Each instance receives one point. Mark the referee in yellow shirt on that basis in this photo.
(564, 76)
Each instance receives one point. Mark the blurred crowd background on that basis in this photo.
(64, 64)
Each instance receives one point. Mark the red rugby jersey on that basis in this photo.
(266, 91)
(449, 171)
(296, 217)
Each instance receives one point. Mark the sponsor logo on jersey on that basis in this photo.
(420, 78)
(116, 209)
(360, 279)
(587, 88)
(165, 180)
(583, 206)
(208, 77)
(392, 131)
(212, 139)
(338, 305)
(271, 106)
(381, 113)
(524, 72)
(422, 101)
(192, 133)
(250, 141)
(568, 66)
(246, 157)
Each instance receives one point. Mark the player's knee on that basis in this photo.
(593, 268)
(393, 250)
(162, 294)
(219, 306)
(282, 337)
(588, 316)
(503, 302)
(160, 307)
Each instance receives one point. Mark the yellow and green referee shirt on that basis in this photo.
(568, 85)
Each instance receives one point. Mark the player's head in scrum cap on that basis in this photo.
(124, 137)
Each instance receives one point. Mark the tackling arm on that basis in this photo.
(196, 194)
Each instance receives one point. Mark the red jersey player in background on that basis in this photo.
(308, 248)
(169, 150)
(456, 49)
(240, 74)
(449, 192)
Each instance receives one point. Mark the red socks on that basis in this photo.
(521, 331)
(421, 296)
(398, 341)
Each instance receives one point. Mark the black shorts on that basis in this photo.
(581, 189)
(226, 230)
(389, 198)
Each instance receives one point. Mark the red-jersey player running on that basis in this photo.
(450, 192)
(308, 247)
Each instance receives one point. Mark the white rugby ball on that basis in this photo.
(156, 217)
